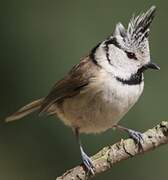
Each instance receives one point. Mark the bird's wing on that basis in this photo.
(71, 84)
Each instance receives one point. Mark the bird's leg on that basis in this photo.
(135, 135)
(85, 158)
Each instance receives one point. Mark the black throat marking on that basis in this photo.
(135, 79)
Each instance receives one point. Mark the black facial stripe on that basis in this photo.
(107, 42)
(135, 79)
(106, 48)
(92, 54)
(114, 42)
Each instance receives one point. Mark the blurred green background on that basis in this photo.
(40, 41)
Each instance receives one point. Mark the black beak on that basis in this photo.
(152, 66)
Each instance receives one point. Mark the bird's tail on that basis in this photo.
(25, 110)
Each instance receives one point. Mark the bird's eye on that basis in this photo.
(131, 55)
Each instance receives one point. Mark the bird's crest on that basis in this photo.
(138, 28)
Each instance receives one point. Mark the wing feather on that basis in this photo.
(71, 84)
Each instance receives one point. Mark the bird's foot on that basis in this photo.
(87, 162)
(137, 137)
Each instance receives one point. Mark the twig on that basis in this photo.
(122, 150)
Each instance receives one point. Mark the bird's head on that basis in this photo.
(127, 52)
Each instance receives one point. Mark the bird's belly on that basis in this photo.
(96, 111)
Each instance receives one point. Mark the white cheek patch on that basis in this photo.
(122, 64)
(115, 61)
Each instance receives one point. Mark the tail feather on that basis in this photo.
(25, 110)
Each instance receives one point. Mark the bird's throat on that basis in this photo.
(135, 79)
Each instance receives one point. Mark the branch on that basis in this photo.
(122, 150)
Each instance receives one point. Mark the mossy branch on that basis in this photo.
(122, 150)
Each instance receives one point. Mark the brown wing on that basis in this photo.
(72, 83)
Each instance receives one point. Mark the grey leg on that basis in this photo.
(135, 135)
(85, 158)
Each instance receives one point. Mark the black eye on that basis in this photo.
(131, 55)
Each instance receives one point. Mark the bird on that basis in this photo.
(98, 91)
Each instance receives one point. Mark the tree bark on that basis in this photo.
(125, 149)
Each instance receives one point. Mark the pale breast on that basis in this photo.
(100, 106)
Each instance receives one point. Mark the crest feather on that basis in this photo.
(138, 27)
(120, 30)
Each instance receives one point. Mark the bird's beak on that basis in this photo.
(151, 65)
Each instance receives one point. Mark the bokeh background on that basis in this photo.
(40, 41)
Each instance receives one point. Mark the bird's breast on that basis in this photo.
(100, 105)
